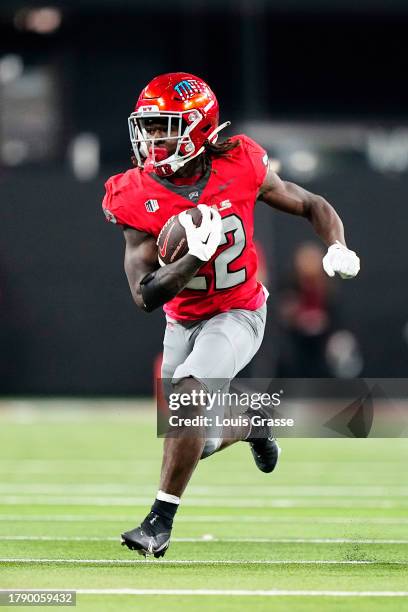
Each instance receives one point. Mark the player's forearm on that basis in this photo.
(325, 220)
(162, 285)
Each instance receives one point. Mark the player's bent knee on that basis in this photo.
(189, 395)
(188, 408)
(196, 407)
(187, 384)
(210, 447)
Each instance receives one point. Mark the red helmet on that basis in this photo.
(189, 110)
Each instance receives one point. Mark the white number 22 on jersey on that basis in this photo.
(224, 279)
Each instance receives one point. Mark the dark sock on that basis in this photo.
(166, 511)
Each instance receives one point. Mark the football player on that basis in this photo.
(214, 305)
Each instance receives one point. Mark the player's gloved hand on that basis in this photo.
(341, 260)
(204, 239)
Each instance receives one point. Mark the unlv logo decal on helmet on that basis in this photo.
(188, 88)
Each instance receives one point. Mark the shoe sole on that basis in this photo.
(160, 552)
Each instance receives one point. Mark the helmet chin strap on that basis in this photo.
(160, 154)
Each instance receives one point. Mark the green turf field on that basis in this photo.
(326, 532)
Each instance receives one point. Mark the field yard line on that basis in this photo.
(228, 592)
(242, 592)
(198, 561)
(47, 463)
(276, 491)
(230, 502)
(91, 518)
(84, 461)
(207, 539)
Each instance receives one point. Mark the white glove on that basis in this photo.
(341, 260)
(204, 239)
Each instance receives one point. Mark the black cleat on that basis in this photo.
(151, 538)
(264, 447)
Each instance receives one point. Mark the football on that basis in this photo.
(172, 241)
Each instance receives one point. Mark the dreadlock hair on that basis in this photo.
(220, 149)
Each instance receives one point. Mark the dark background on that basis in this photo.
(68, 325)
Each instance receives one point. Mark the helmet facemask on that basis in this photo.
(149, 150)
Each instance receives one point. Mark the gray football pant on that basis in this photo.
(212, 351)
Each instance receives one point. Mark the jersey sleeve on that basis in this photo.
(113, 205)
(258, 159)
(118, 203)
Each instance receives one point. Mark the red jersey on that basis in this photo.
(144, 201)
